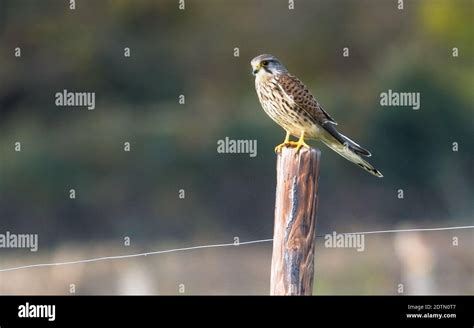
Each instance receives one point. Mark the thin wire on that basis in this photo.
(107, 258)
(401, 230)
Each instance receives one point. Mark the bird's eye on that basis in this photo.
(265, 63)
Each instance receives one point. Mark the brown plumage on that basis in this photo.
(291, 105)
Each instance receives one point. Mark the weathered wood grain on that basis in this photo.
(295, 222)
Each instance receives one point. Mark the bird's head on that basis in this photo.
(267, 64)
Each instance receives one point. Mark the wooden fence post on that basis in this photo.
(295, 222)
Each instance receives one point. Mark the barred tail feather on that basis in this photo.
(350, 155)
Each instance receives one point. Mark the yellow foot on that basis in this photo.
(285, 144)
(300, 144)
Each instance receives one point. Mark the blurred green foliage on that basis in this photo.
(174, 146)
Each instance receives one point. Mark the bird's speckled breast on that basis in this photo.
(283, 109)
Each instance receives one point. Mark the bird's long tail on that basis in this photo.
(349, 150)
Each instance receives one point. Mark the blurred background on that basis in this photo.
(191, 52)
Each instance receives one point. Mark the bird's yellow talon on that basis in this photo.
(300, 144)
(285, 144)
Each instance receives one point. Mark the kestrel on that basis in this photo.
(290, 104)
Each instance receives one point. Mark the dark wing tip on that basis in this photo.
(360, 151)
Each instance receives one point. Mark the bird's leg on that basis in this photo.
(301, 143)
(286, 143)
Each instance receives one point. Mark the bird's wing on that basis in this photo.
(296, 91)
(299, 94)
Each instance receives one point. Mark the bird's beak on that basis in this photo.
(255, 69)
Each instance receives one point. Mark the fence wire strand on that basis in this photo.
(235, 244)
